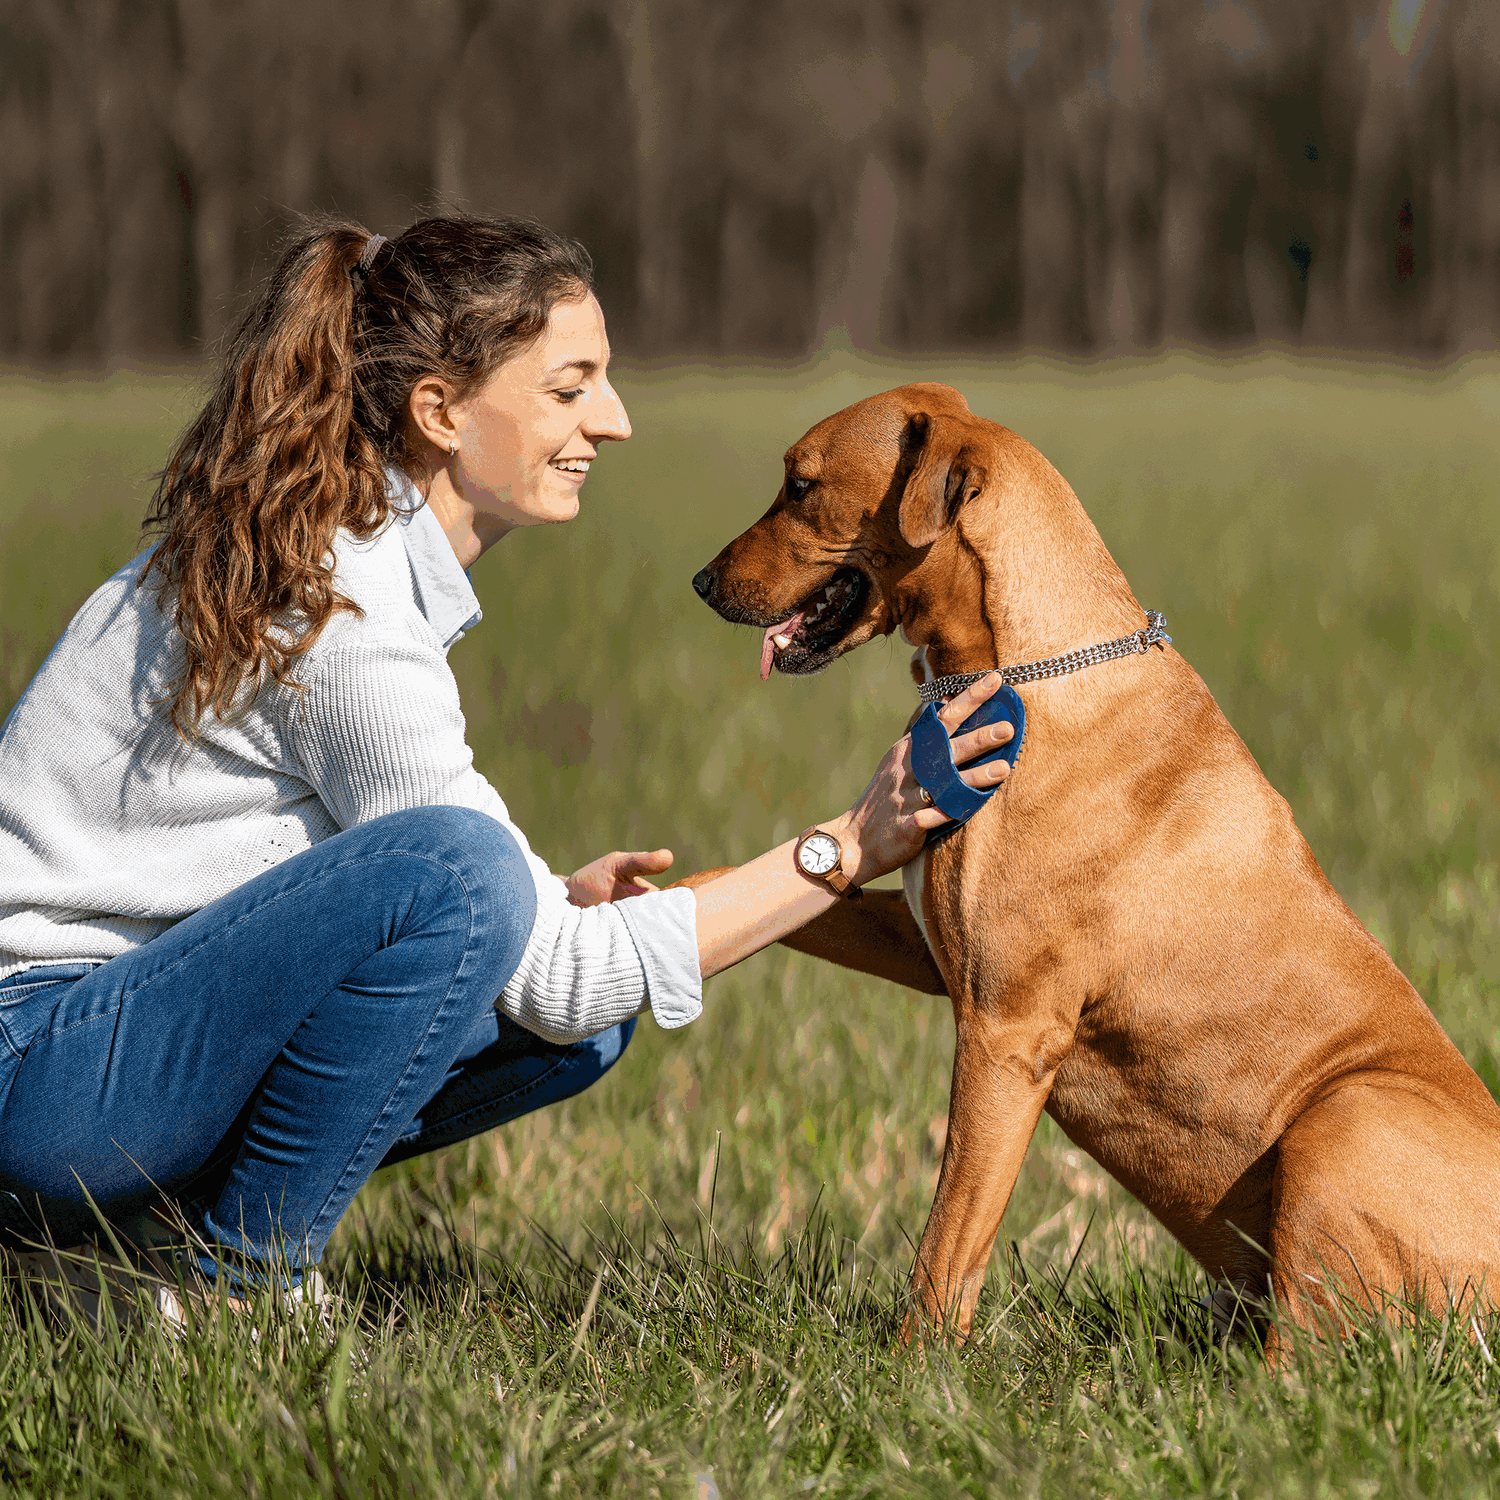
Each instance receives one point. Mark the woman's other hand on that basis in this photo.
(613, 877)
(887, 827)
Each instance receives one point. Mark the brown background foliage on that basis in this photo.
(1073, 175)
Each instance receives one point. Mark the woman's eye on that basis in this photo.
(568, 397)
(796, 488)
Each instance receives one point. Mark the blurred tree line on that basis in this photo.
(1075, 175)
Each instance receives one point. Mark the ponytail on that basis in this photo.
(307, 411)
(271, 468)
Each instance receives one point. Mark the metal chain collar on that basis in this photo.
(1137, 643)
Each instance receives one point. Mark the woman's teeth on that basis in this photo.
(572, 465)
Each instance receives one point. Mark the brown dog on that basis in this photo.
(1134, 935)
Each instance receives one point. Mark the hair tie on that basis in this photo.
(368, 254)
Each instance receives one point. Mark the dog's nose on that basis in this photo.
(703, 583)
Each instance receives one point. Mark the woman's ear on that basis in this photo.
(947, 473)
(430, 407)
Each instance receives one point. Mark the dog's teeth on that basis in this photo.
(782, 640)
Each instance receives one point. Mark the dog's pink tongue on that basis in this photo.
(768, 642)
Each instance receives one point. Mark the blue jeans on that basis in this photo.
(263, 1056)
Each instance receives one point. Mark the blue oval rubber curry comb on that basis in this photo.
(932, 757)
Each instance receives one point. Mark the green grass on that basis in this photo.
(689, 1279)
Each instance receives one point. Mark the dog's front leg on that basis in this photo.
(1002, 1073)
(877, 935)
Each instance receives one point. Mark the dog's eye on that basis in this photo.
(796, 488)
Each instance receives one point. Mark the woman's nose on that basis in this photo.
(608, 421)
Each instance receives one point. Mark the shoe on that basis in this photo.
(87, 1281)
(163, 1232)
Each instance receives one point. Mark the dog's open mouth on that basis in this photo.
(804, 642)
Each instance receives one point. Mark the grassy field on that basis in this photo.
(686, 1282)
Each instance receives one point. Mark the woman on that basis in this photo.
(256, 904)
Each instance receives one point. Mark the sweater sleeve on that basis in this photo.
(377, 728)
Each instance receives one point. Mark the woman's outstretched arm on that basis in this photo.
(748, 908)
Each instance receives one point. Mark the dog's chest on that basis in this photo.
(913, 887)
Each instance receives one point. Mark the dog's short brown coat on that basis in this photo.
(1133, 933)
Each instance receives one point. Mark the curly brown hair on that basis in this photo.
(308, 410)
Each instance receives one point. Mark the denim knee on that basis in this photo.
(487, 862)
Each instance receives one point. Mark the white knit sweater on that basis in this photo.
(111, 829)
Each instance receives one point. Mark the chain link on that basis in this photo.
(1137, 643)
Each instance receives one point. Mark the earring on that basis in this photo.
(452, 449)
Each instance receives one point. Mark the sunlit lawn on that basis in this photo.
(1325, 544)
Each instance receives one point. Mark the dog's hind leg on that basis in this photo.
(1383, 1200)
(1001, 1079)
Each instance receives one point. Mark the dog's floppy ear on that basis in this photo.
(947, 472)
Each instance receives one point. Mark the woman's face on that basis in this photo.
(527, 437)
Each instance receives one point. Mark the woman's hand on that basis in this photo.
(886, 828)
(741, 911)
(613, 877)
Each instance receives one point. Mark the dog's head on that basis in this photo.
(860, 531)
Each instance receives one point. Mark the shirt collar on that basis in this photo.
(444, 593)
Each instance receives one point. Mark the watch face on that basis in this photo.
(819, 853)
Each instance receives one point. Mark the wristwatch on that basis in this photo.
(820, 856)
